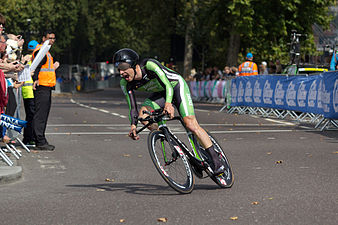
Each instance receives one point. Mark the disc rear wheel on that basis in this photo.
(226, 179)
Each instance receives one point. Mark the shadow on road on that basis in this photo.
(139, 189)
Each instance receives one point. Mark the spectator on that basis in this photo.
(279, 68)
(234, 71)
(44, 81)
(28, 100)
(263, 70)
(272, 68)
(215, 74)
(334, 60)
(248, 67)
(226, 72)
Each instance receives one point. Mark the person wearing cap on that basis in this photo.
(263, 70)
(28, 99)
(248, 67)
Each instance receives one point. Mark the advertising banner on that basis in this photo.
(312, 94)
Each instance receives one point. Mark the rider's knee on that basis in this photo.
(192, 125)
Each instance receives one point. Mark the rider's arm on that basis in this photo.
(131, 101)
(152, 66)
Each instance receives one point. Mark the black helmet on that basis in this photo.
(126, 55)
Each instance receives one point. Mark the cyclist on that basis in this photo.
(167, 87)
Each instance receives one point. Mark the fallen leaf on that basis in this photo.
(269, 153)
(122, 220)
(230, 129)
(279, 162)
(254, 203)
(234, 218)
(270, 198)
(162, 219)
(140, 156)
(107, 179)
(126, 155)
(99, 189)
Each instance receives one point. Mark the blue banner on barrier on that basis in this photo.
(313, 94)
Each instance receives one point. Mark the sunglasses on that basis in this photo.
(122, 65)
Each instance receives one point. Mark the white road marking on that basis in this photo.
(281, 122)
(51, 164)
(171, 125)
(97, 109)
(179, 132)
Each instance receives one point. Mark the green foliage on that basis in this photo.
(92, 30)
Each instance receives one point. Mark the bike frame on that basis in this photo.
(195, 158)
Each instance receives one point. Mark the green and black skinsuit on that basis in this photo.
(165, 85)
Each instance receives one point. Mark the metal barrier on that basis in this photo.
(8, 122)
(247, 97)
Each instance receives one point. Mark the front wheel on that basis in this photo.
(226, 179)
(172, 164)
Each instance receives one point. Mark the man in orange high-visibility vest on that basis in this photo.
(248, 67)
(44, 82)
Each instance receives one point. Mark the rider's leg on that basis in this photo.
(193, 126)
(203, 137)
(184, 104)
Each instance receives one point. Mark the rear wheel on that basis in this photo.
(171, 164)
(226, 179)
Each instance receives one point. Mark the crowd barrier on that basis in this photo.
(301, 97)
(304, 98)
(8, 122)
(211, 91)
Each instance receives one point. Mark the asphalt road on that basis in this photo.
(285, 173)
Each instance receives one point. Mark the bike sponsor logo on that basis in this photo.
(312, 94)
(222, 181)
(301, 95)
(257, 92)
(291, 94)
(267, 93)
(335, 96)
(163, 171)
(240, 92)
(248, 92)
(279, 94)
(179, 150)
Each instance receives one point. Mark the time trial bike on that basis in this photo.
(175, 161)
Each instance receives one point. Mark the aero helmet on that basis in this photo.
(32, 45)
(123, 56)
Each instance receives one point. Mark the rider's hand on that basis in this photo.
(168, 108)
(132, 133)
